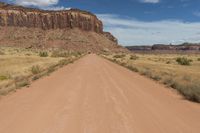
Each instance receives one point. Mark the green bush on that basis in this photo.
(43, 54)
(119, 56)
(2, 77)
(35, 69)
(183, 61)
(134, 57)
(189, 91)
(168, 62)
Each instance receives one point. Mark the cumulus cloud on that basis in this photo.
(150, 1)
(135, 32)
(41, 3)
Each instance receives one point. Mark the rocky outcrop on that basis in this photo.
(34, 18)
(72, 30)
(110, 37)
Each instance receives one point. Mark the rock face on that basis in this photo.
(73, 29)
(33, 18)
(110, 37)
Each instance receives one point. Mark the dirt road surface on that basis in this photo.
(94, 95)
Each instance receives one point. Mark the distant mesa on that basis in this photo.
(193, 47)
(11, 15)
(72, 29)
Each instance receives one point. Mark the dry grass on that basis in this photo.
(18, 65)
(165, 69)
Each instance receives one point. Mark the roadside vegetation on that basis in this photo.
(181, 72)
(183, 61)
(19, 67)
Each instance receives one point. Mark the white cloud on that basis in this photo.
(56, 8)
(135, 32)
(40, 3)
(150, 1)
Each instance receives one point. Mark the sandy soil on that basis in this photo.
(94, 95)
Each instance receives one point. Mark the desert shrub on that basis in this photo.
(134, 57)
(51, 69)
(198, 59)
(60, 54)
(28, 54)
(156, 77)
(187, 78)
(76, 54)
(150, 74)
(3, 77)
(119, 56)
(122, 64)
(168, 62)
(132, 68)
(168, 81)
(65, 54)
(113, 60)
(63, 62)
(7, 89)
(43, 54)
(36, 77)
(35, 69)
(183, 61)
(189, 91)
(23, 83)
(146, 73)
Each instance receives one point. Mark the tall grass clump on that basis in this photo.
(183, 61)
(76, 54)
(134, 57)
(3, 77)
(43, 54)
(60, 54)
(119, 56)
(190, 91)
(35, 69)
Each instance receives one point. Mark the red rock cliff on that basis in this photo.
(27, 17)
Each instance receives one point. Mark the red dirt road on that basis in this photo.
(94, 95)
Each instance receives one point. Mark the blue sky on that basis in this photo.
(138, 22)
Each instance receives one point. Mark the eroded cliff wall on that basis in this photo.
(34, 18)
(73, 29)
